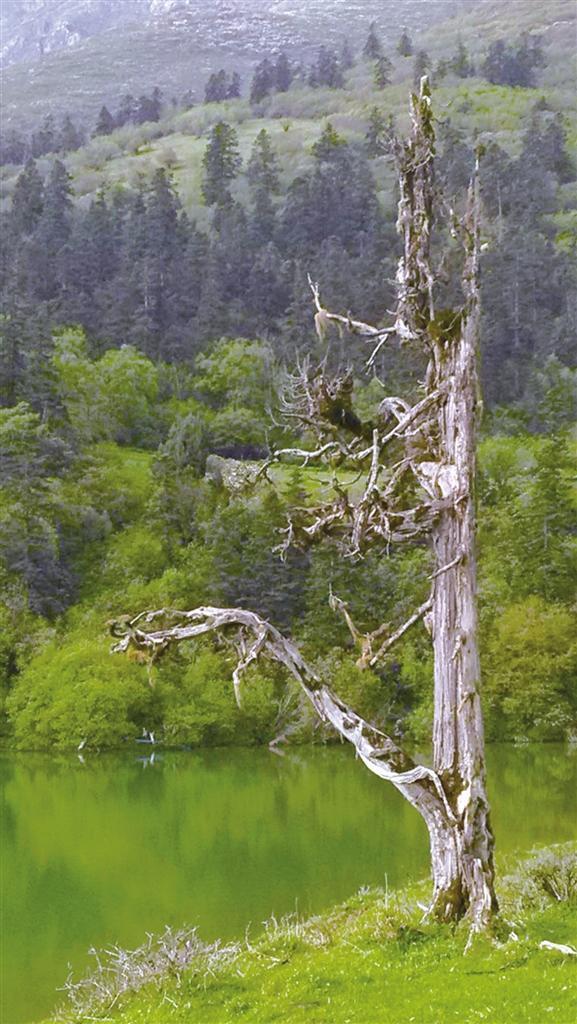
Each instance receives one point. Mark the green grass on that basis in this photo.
(372, 961)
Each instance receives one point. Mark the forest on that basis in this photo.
(155, 297)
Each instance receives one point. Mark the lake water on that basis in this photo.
(104, 851)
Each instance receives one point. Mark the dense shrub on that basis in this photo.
(74, 693)
(530, 672)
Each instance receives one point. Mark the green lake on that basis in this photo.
(103, 850)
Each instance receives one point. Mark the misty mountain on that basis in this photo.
(74, 55)
(31, 29)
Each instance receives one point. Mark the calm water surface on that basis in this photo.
(103, 851)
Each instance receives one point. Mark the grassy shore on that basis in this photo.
(369, 961)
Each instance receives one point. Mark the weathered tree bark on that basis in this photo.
(463, 869)
(436, 438)
(462, 855)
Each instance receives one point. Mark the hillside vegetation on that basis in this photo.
(92, 57)
(155, 295)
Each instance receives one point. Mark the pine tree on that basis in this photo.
(263, 81)
(329, 146)
(268, 287)
(221, 163)
(283, 73)
(54, 225)
(327, 70)
(156, 102)
(457, 161)
(13, 147)
(461, 63)
(383, 72)
(126, 113)
(69, 137)
(45, 140)
(187, 100)
(216, 88)
(105, 123)
(347, 57)
(148, 108)
(375, 133)
(92, 249)
(233, 90)
(27, 199)
(405, 45)
(421, 65)
(262, 174)
(504, 65)
(373, 48)
(262, 170)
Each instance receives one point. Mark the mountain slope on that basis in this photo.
(61, 59)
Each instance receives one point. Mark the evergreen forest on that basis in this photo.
(155, 300)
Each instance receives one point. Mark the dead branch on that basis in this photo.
(386, 646)
(352, 326)
(366, 641)
(420, 784)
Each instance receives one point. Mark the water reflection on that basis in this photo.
(102, 849)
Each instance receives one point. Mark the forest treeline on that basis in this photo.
(136, 346)
(133, 268)
(504, 63)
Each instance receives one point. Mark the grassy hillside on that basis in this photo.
(177, 57)
(129, 156)
(137, 57)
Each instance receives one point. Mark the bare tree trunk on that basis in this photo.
(462, 868)
(437, 437)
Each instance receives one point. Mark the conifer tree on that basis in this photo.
(262, 174)
(69, 137)
(383, 72)
(329, 146)
(187, 100)
(422, 62)
(216, 88)
(149, 108)
(375, 133)
(461, 63)
(105, 123)
(263, 81)
(233, 90)
(13, 147)
(54, 225)
(347, 57)
(221, 164)
(373, 48)
(27, 199)
(283, 73)
(262, 170)
(45, 139)
(405, 45)
(126, 112)
(326, 71)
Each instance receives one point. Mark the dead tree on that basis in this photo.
(417, 463)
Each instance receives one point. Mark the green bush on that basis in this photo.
(201, 709)
(530, 672)
(548, 876)
(77, 692)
